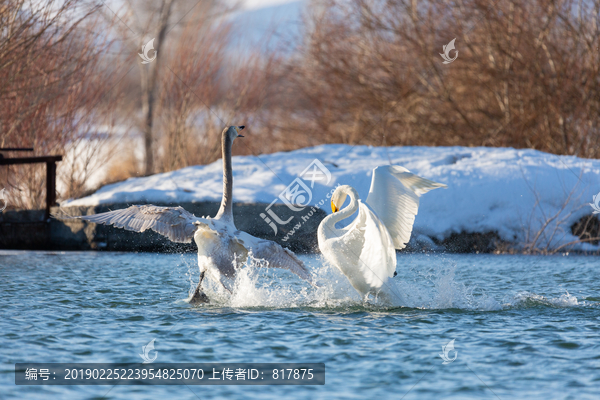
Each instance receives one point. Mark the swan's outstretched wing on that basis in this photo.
(394, 196)
(173, 222)
(275, 255)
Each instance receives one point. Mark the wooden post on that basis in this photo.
(50, 187)
(50, 174)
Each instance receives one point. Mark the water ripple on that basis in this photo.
(524, 327)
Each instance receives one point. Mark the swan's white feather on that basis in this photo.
(378, 257)
(394, 196)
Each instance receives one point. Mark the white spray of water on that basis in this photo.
(437, 289)
(417, 287)
(257, 286)
(524, 299)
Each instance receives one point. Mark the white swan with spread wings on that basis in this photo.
(221, 246)
(365, 250)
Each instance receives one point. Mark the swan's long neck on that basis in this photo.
(344, 213)
(225, 211)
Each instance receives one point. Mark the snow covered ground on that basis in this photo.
(515, 193)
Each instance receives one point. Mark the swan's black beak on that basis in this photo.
(239, 129)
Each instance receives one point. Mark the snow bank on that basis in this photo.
(512, 192)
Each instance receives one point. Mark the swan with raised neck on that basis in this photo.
(228, 135)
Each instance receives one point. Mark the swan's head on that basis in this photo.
(233, 132)
(339, 197)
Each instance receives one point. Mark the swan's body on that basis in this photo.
(221, 246)
(364, 251)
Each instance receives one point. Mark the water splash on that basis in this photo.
(439, 289)
(528, 299)
(258, 286)
(415, 287)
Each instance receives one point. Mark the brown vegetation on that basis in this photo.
(366, 72)
(51, 83)
(527, 75)
(189, 88)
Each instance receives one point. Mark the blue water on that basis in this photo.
(524, 326)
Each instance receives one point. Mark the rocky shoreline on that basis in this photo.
(26, 230)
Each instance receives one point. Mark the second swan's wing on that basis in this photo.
(394, 196)
(377, 260)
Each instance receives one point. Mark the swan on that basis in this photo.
(364, 251)
(221, 246)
